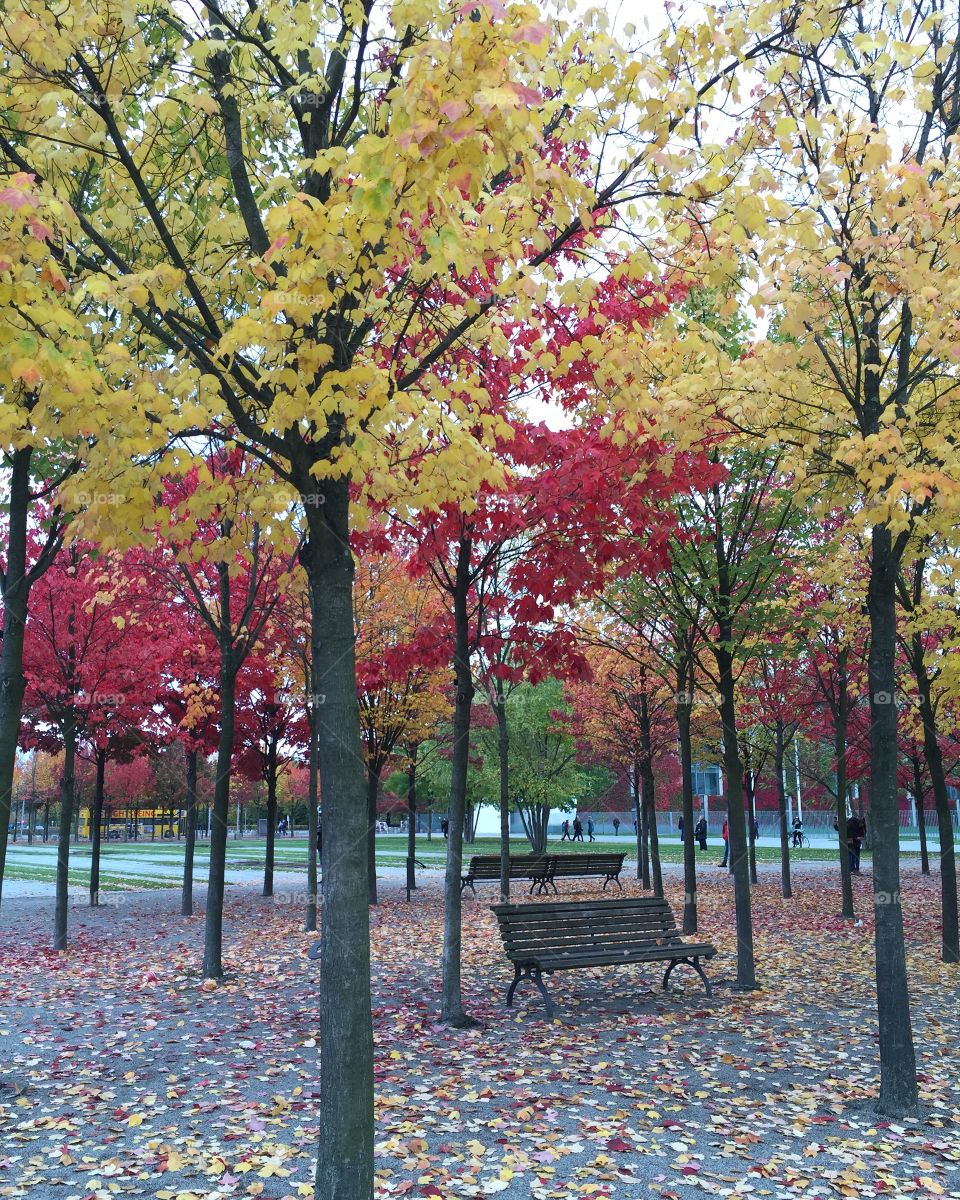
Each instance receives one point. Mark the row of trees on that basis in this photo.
(345, 244)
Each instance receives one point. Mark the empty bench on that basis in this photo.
(541, 938)
(582, 866)
(485, 868)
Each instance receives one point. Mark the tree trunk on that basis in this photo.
(841, 720)
(752, 816)
(648, 790)
(638, 820)
(270, 856)
(412, 818)
(67, 785)
(779, 753)
(950, 941)
(898, 1069)
(921, 822)
(213, 923)
(186, 892)
(96, 822)
(373, 791)
(452, 1011)
(503, 756)
(313, 820)
(683, 708)
(345, 1152)
(16, 594)
(736, 829)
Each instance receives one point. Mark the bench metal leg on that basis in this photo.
(612, 879)
(687, 962)
(536, 975)
(467, 883)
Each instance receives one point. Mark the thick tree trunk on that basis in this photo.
(648, 791)
(452, 1011)
(950, 941)
(345, 1153)
(921, 820)
(16, 593)
(503, 757)
(779, 758)
(313, 822)
(186, 892)
(213, 922)
(683, 707)
(96, 824)
(411, 819)
(736, 826)
(898, 1068)
(67, 791)
(270, 856)
(373, 791)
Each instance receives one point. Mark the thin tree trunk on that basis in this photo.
(96, 821)
(503, 758)
(452, 1011)
(683, 708)
(736, 830)
(921, 822)
(950, 939)
(213, 922)
(270, 856)
(638, 819)
(752, 816)
(841, 720)
(898, 1068)
(786, 884)
(16, 594)
(186, 892)
(313, 819)
(67, 791)
(412, 818)
(648, 789)
(345, 1152)
(373, 790)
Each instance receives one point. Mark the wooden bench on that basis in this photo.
(580, 866)
(541, 938)
(485, 868)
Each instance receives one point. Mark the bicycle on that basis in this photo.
(799, 841)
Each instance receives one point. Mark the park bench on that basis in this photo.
(541, 938)
(485, 868)
(580, 866)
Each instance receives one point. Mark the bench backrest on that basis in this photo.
(587, 864)
(576, 924)
(522, 866)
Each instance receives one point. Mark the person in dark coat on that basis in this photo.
(700, 832)
(577, 829)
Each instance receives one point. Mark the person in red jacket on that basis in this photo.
(726, 845)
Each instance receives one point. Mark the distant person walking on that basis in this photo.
(444, 826)
(726, 845)
(590, 836)
(565, 827)
(856, 830)
(756, 828)
(680, 826)
(700, 832)
(577, 829)
(616, 826)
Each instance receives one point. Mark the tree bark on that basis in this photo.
(779, 758)
(683, 709)
(412, 818)
(841, 720)
(213, 922)
(503, 757)
(736, 828)
(950, 940)
(270, 856)
(752, 816)
(648, 786)
(452, 1011)
(186, 892)
(921, 822)
(898, 1070)
(345, 1152)
(638, 819)
(313, 821)
(16, 594)
(96, 823)
(67, 792)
